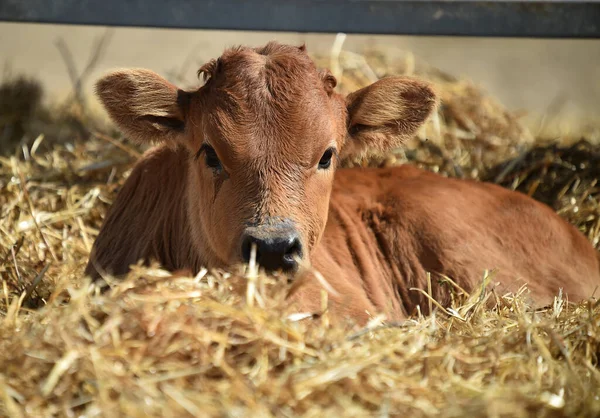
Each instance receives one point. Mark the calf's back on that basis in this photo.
(388, 228)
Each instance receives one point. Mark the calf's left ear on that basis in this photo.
(387, 113)
(145, 106)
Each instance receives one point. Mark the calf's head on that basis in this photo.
(265, 133)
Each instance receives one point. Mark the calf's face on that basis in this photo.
(265, 133)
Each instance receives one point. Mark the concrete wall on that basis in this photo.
(531, 74)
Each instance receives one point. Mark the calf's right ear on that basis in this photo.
(387, 113)
(143, 105)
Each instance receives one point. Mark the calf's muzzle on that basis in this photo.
(278, 246)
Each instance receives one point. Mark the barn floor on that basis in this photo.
(226, 343)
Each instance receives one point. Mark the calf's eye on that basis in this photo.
(325, 161)
(210, 157)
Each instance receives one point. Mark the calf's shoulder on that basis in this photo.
(148, 219)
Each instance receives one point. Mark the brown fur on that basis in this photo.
(270, 115)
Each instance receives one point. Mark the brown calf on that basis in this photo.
(251, 157)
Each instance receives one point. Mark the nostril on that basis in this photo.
(295, 248)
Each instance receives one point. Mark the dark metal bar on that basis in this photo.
(548, 19)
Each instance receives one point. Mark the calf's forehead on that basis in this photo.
(267, 103)
(288, 137)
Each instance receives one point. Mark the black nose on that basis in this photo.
(276, 249)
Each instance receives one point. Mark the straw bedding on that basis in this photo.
(225, 343)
